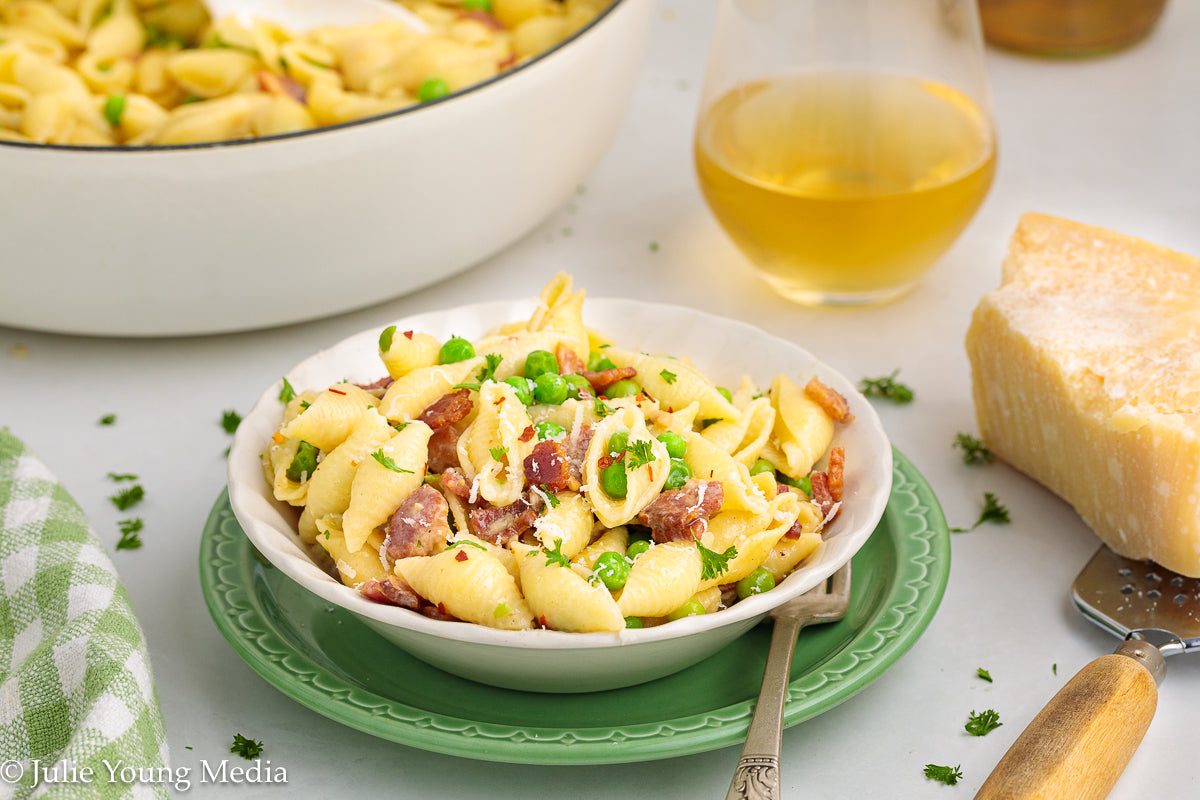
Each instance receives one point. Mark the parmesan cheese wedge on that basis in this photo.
(1086, 376)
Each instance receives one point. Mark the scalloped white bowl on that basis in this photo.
(554, 661)
(250, 234)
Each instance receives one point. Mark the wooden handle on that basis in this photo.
(1079, 744)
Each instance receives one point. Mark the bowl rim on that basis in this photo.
(340, 126)
(248, 488)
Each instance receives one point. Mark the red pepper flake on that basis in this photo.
(408, 335)
(527, 434)
(650, 471)
(461, 555)
(542, 621)
(605, 461)
(337, 391)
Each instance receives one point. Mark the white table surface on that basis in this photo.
(1111, 142)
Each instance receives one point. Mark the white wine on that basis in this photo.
(844, 186)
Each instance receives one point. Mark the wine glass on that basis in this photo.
(845, 144)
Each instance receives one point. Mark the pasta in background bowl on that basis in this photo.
(551, 660)
(206, 238)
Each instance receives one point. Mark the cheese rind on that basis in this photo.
(1086, 376)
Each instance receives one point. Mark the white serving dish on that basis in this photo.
(554, 661)
(223, 237)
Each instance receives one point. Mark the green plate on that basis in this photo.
(324, 658)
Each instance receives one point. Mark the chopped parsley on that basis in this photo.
(947, 775)
(486, 373)
(973, 450)
(992, 512)
(108, 419)
(157, 37)
(639, 455)
(117, 477)
(230, 420)
(288, 393)
(983, 723)
(385, 338)
(984, 674)
(602, 408)
(654, 247)
(668, 376)
(500, 611)
(554, 555)
(713, 563)
(888, 388)
(114, 109)
(130, 540)
(304, 404)
(246, 748)
(128, 497)
(457, 542)
(497, 453)
(1054, 668)
(388, 463)
(551, 498)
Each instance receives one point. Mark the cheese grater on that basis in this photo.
(1079, 744)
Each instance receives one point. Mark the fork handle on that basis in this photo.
(757, 773)
(1079, 744)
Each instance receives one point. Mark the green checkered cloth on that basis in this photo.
(76, 692)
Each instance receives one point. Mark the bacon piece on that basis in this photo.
(607, 377)
(569, 363)
(447, 409)
(547, 467)
(821, 494)
(377, 387)
(273, 83)
(438, 612)
(683, 514)
(575, 448)
(456, 484)
(391, 590)
(443, 449)
(830, 401)
(417, 525)
(500, 525)
(835, 473)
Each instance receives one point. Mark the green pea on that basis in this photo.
(676, 444)
(522, 388)
(615, 481)
(304, 463)
(612, 569)
(540, 362)
(757, 582)
(692, 608)
(432, 89)
(762, 465)
(725, 393)
(618, 443)
(550, 388)
(598, 362)
(625, 388)
(578, 386)
(455, 349)
(477, 5)
(679, 474)
(636, 548)
(549, 430)
(634, 622)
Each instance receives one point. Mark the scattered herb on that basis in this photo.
(1054, 668)
(602, 408)
(128, 497)
(551, 498)
(984, 674)
(287, 394)
(947, 775)
(501, 610)
(114, 109)
(654, 247)
(983, 723)
(157, 37)
(639, 455)
(304, 404)
(117, 477)
(388, 463)
(555, 555)
(486, 373)
(230, 420)
(713, 563)
(992, 512)
(668, 376)
(187, 747)
(108, 419)
(497, 453)
(246, 748)
(457, 542)
(130, 540)
(385, 338)
(887, 388)
(973, 450)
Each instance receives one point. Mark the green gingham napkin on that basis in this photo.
(76, 694)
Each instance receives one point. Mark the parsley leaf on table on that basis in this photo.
(973, 450)
(983, 723)
(947, 775)
(887, 387)
(246, 748)
(992, 512)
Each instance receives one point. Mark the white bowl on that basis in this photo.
(251, 234)
(554, 661)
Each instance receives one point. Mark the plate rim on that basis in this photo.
(913, 598)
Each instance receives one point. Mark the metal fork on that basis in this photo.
(757, 774)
